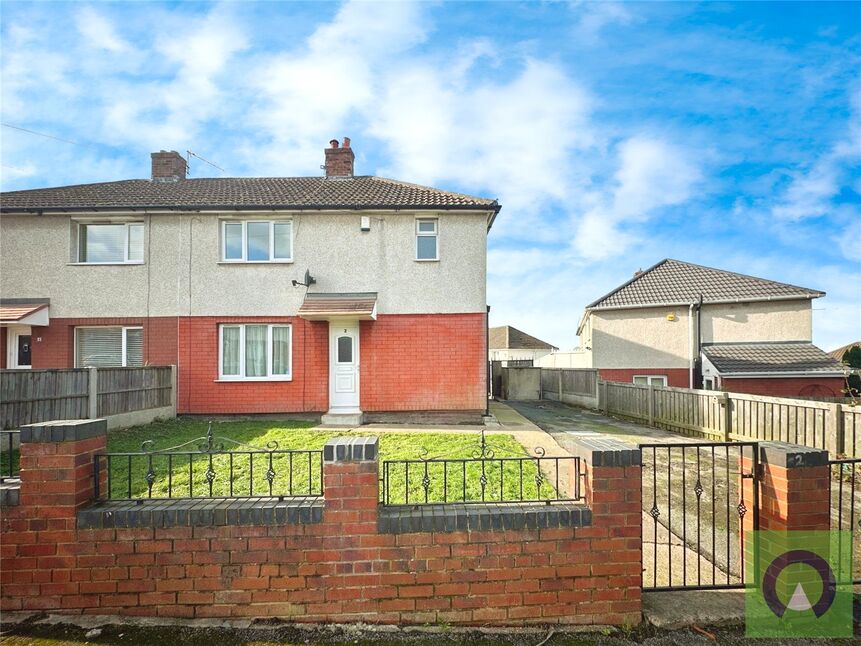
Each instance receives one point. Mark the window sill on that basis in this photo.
(255, 262)
(427, 259)
(247, 380)
(103, 264)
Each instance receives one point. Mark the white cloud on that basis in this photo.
(849, 240)
(98, 31)
(652, 174)
(593, 17)
(309, 96)
(812, 190)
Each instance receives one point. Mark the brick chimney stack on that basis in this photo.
(339, 159)
(168, 166)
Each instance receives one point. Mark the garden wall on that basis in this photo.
(341, 557)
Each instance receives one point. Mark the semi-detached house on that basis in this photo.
(341, 294)
(685, 325)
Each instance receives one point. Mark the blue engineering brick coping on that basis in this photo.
(458, 517)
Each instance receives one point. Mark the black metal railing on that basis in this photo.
(483, 478)
(208, 471)
(846, 506)
(9, 455)
(695, 496)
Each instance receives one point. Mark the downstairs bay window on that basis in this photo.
(252, 351)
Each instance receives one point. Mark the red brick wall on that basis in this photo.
(408, 362)
(201, 392)
(787, 386)
(415, 362)
(339, 570)
(56, 349)
(676, 377)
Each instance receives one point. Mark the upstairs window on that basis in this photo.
(257, 241)
(427, 243)
(108, 347)
(112, 243)
(255, 352)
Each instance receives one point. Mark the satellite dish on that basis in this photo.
(309, 280)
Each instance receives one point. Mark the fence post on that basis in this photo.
(606, 399)
(93, 393)
(559, 376)
(651, 404)
(173, 389)
(727, 416)
(834, 442)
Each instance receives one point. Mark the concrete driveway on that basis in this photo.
(698, 547)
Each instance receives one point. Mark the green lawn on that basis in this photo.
(299, 473)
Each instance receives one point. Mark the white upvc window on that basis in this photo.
(108, 347)
(110, 243)
(255, 352)
(427, 239)
(708, 383)
(651, 380)
(257, 240)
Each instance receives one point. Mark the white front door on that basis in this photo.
(18, 344)
(343, 367)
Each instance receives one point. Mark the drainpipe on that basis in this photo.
(487, 362)
(691, 345)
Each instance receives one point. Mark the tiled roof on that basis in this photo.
(840, 352)
(753, 358)
(12, 313)
(320, 305)
(507, 337)
(672, 282)
(243, 193)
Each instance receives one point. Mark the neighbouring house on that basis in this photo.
(681, 324)
(338, 294)
(514, 347)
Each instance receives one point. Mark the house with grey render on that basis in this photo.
(686, 325)
(347, 295)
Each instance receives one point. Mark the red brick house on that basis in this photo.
(689, 326)
(339, 294)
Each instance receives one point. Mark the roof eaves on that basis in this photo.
(252, 207)
(785, 373)
(809, 295)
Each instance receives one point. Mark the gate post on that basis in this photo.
(793, 491)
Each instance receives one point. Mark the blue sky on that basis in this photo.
(614, 135)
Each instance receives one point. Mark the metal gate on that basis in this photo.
(698, 500)
(846, 505)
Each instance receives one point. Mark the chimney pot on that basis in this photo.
(168, 166)
(339, 160)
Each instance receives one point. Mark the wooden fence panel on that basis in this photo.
(756, 417)
(574, 381)
(549, 384)
(852, 431)
(692, 412)
(579, 382)
(123, 390)
(751, 417)
(31, 396)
